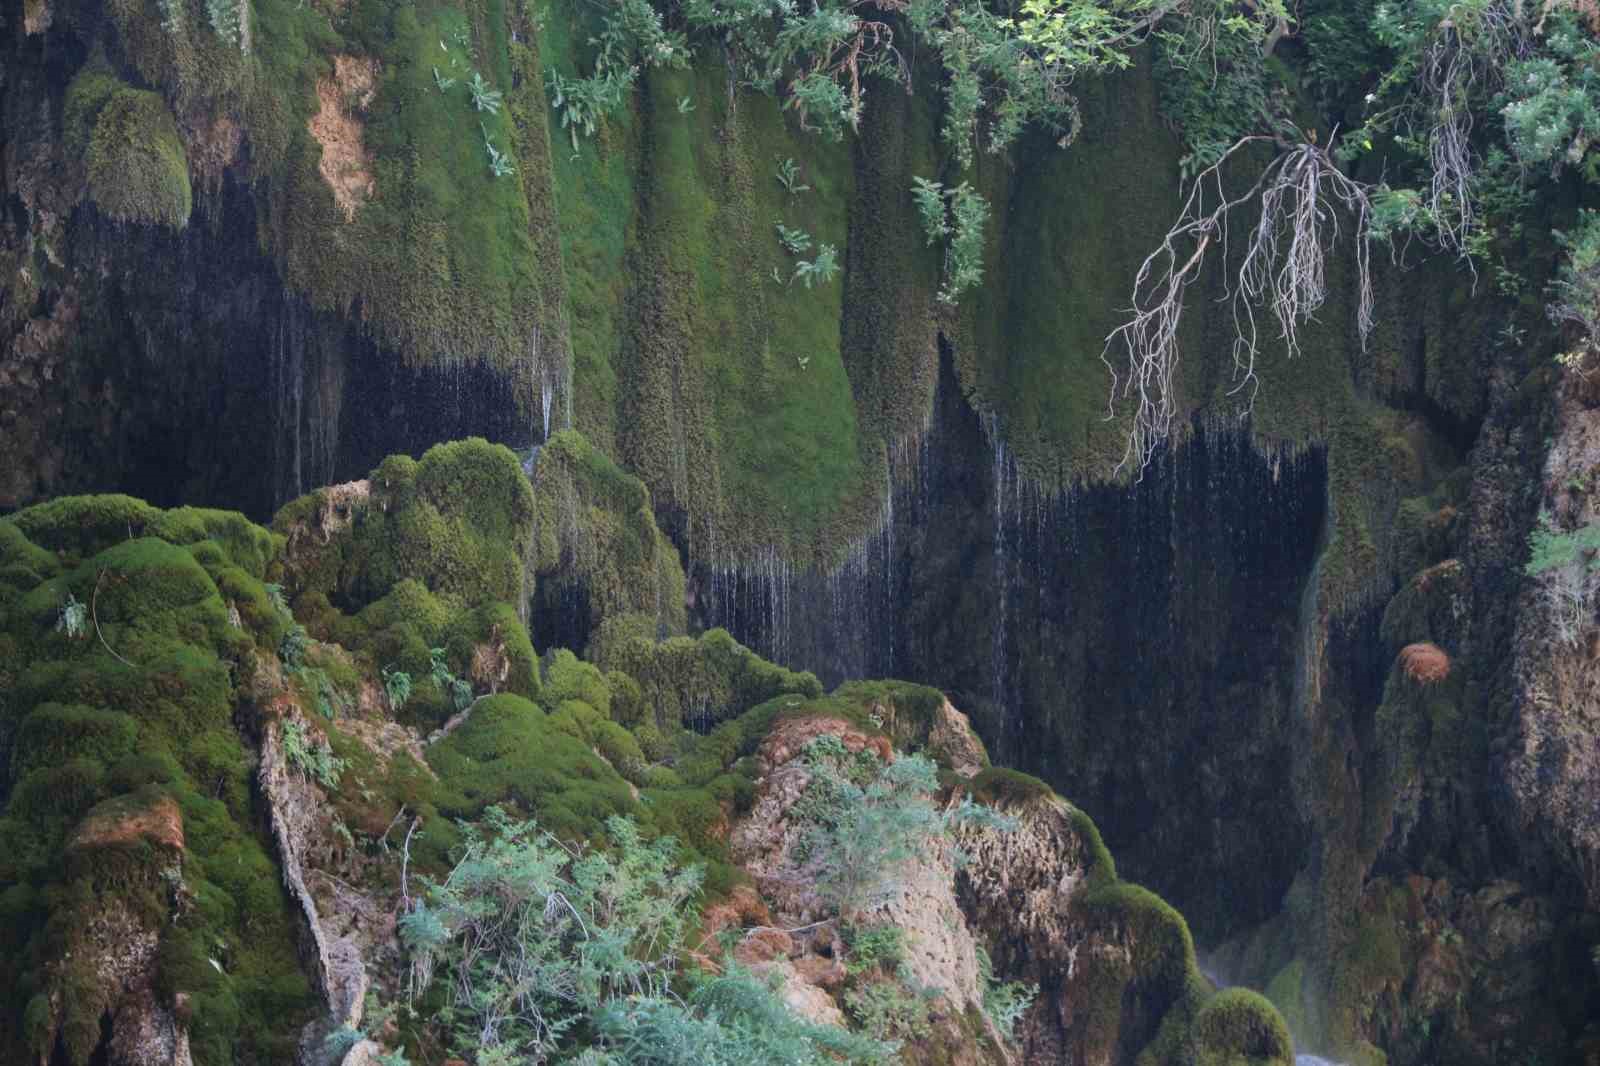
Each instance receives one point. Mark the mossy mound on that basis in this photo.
(598, 543)
(137, 168)
(1233, 1027)
(129, 818)
(693, 681)
(510, 752)
(458, 522)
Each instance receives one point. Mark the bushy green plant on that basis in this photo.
(732, 1019)
(861, 820)
(457, 690)
(226, 17)
(1567, 566)
(292, 648)
(789, 177)
(396, 687)
(1005, 1002)
(874, 947)
(531, 937)
(929, 196)
(1575, 293)
(890, 1008)
(483, 97)
(818, 271)
(964, 263)
(632, 38)
(1551, 547)
(794, 241)
(500, 164)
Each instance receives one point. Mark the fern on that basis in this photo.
(794, 241)
(929, 196)
(313, 758)
(820, 270)
(441, 81)
(72, 617)
(396, 687)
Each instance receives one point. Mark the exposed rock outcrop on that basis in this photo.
(1553, 765)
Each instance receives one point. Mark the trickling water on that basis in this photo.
(999, 666)
(547, 392)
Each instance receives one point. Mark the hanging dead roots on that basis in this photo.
(1304, 204)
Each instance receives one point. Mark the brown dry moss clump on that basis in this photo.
(1425, 662)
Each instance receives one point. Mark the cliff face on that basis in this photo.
(311, 267)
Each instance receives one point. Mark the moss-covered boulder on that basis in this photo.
(138, 892)
(599, 552)
(137, 168)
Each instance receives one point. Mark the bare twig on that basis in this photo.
(1301, 196)
(405, 862)
(94, 599)
(383, 841)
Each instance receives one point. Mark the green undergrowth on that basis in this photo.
(128, 808)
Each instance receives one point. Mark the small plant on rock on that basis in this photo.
(72, 617)
(483, 97)
(819, 270)
(313, 758)
(396, 687)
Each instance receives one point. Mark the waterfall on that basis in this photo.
(1002, 471)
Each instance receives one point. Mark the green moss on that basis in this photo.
(409, 603)
(1286, 991)
(1163, 949)
(569, 678)
(52, 733)
(1239, 1026)
(458, 523)
(138, 171)
(245, 544)
(508, 752)
(102, 738)
(82, 525)
(702, 680)
(596, 531)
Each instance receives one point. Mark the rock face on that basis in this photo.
(1553, 759)
(1114, 964)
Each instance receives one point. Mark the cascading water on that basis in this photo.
(1097, 635)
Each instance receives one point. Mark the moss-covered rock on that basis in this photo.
(138, 171)
(599, 553)
(129, 829)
